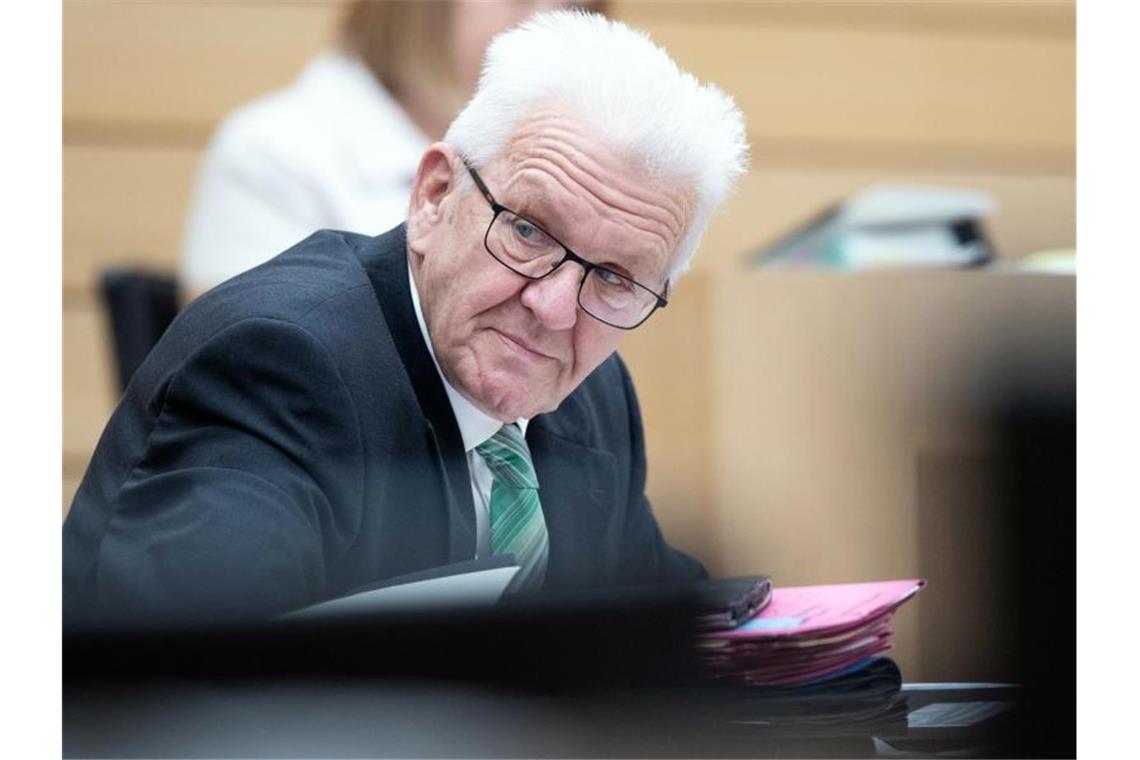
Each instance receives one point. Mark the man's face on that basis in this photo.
(516, 347)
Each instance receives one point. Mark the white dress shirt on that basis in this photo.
(475, 427)
(332, 150)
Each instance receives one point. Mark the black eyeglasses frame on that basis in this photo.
(569, 255)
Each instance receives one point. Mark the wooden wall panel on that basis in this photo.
(122, 205)
(810, 423)
(669, 360)
(1013, 99)
(812, 91)
(1025, 18)
(89, 385)
(829, 390)
(176, 67)
(837, 378)
(70, 486)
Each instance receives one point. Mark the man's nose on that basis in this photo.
(554, 298)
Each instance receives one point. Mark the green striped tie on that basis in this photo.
(517, 524)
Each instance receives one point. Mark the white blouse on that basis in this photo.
(332, 150)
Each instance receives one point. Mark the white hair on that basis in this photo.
(627, 89)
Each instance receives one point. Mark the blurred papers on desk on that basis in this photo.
(890, 225)
(1061, 261)
(472, 584)
(808, 633)
(860, 701)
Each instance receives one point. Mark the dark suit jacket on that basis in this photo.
(289, 439)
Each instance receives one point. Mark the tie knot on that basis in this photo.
(508, 458)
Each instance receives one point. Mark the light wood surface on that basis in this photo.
(1051, 18)
(167, 71)
(88, 384)
(831, 88)
(122, 206)
(669, 359)
(831, 388)
(806, 86)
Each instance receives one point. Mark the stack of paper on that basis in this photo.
(889, 225)
(471, 584)
(809, 633)
(862, 700)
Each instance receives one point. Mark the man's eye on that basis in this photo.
(527, 231)
(613, 279)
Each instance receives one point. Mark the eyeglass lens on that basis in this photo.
(525, 248)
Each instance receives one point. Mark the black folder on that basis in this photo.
(728, 602)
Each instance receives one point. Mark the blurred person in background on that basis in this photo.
(338, 148)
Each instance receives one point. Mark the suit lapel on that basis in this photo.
(387, 268)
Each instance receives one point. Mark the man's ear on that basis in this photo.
(431, 187)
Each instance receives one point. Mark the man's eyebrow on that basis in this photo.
(536, 206)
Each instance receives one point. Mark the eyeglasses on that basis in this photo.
(528, 250)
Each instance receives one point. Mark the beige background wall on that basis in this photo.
(785, 412)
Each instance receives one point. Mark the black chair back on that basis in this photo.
(140, 306)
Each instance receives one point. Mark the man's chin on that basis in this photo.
(505, 400)
(510, 409)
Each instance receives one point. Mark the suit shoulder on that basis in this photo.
(291, 284)
(318, 285)
(610, 381)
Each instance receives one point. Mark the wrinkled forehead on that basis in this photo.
(594, 196)
(552, 132)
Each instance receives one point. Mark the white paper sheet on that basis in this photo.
(477, 589)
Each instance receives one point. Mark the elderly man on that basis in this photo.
(359, 408)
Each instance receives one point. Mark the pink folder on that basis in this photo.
(811, 612)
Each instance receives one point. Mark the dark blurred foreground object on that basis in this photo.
(1037, 420)
(997, 523)
(417, 718)
(601, 674)
(827, 717)
(866, 700)
(728, 602)
(549, 642)
(140, 306)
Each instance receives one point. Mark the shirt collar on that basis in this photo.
(475, 425)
